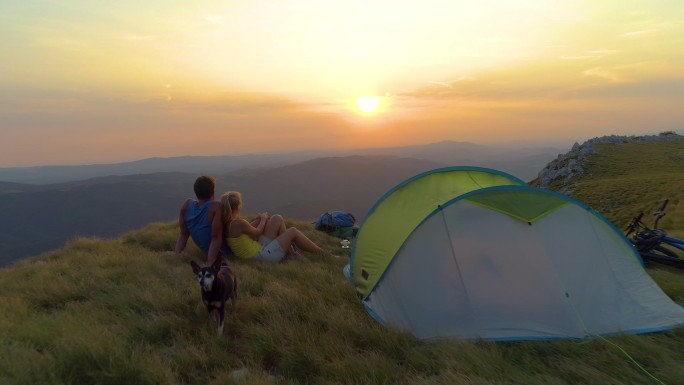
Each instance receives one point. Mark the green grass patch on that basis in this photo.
(124, 312)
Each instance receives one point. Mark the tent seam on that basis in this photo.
(473, 179)
(458, 268)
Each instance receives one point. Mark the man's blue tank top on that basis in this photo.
(197, 221)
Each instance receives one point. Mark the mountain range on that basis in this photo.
(521, 162)
(112, 199)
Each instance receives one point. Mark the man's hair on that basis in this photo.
(205, 187)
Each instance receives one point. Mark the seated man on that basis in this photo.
(201, 220)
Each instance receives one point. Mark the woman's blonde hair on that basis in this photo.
(229, 204)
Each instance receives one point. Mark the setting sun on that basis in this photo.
(368, 104)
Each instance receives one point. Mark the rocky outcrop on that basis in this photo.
(571, 165)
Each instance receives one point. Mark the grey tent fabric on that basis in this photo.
(473, 272)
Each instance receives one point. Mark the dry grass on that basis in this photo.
(122, 311)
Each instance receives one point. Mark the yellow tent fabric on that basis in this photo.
(398, 212)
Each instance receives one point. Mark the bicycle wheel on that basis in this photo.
(666, 251)
(649, 258)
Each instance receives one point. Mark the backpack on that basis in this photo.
(334, 220)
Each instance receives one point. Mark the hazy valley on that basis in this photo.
(522, 162)
(47, 206)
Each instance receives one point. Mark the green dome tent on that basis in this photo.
(477, 254)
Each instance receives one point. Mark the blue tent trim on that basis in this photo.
(374, 314)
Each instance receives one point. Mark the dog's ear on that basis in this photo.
(217, 265)
(195, 267)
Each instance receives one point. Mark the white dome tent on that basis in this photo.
(495, 259)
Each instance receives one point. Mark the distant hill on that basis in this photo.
(308, 189)
(11, 187)
(191, 164)
(44, 218)
(523, 163)
(41, 218)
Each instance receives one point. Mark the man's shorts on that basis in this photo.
(270, 250)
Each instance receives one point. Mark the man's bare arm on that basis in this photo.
(184, 234)
(216, 233)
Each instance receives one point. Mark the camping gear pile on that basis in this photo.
(337, 223)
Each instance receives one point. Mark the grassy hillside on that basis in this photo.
(124, 312)
(623, 180)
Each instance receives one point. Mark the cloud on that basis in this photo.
(85, 127)
(602, 52)
(603, 73)
(591, 54)
(644, 72)
(139, 37)
(641, 33)
(441, 84)
(452, 83)
(584, 57)
(213, 18)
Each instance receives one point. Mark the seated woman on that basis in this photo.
(265, 238)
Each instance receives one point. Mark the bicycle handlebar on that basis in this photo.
(662, 206)
(635, 223)
(660, 213)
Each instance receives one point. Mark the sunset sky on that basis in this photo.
(93, 81)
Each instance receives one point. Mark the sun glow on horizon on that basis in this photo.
(368, 104)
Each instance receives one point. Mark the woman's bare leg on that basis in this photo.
(274, 227)
(294, 236)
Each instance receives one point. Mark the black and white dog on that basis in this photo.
(217, 284)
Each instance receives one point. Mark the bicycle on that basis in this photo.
(653, 242)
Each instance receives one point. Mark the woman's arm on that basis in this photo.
(253, 231)
(263, 217)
